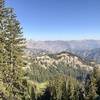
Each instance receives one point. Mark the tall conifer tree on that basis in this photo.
(11, 54)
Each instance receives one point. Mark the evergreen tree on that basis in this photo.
(11, 54)
(3, 69)
(90, 87)
(64, 91)
(32, 94)
(70, 89)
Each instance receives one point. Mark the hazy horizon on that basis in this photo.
(65, 40)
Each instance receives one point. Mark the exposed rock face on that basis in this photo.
(69, 59)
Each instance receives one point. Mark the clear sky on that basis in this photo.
(58, 19)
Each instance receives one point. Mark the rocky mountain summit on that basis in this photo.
(66, 58)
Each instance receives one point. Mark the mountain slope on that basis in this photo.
(45, 67)
(94, 55)
(89, 55)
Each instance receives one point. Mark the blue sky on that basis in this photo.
(58, 19)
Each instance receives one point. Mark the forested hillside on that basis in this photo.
(47, 66)
(26, 75)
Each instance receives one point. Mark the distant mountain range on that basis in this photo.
(87, 49)
(92, 55)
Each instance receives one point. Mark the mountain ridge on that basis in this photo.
(81, 48)
(73, 44)
(50, 65)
